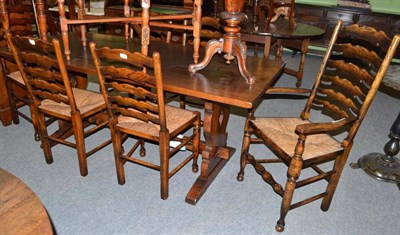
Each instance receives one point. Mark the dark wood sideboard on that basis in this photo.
(326, 17)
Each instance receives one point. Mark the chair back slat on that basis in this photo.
(372, 39)
(344, 84)
(41, 82)
(332, 108)
(140, 105)
(127, 85)
(367, 58)
(139, 92)
(45, 75)
(349, 80)
(122, 93)
(338, 97)
(348, 71)
(127, 74)
(51, 96)
(120, 55)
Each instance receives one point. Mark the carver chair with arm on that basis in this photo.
(132, 86)
(350, 74)
(79, 112)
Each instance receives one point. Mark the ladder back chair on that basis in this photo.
(16, 20)
(80, 112)
(350, 74)
(132, 86)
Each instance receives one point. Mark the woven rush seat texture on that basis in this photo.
(85, 101)
(175, 118)
(281, 132)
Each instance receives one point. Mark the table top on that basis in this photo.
(218, 82)
(21, 211)
(280, 29)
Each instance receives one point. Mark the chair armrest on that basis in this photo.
(316, 128)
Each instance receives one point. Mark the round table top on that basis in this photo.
(280, 29)
(21, 211)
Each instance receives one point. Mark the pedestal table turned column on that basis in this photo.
(385, 167)
(230, 44)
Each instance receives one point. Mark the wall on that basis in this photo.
(385, 6)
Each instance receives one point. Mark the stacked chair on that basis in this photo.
(350, 74)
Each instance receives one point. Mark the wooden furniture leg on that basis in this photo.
(301, 45)
(5, 109)
(267, 46)
(215, 153)
(41, 19)
(81, 81)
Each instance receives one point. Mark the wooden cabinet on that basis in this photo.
(326, 17)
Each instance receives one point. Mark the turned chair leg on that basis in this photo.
(245, 148)
(293, 174)
(196, 144)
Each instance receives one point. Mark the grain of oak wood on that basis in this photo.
(21, 211)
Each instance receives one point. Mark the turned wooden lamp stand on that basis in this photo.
(230, 43)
